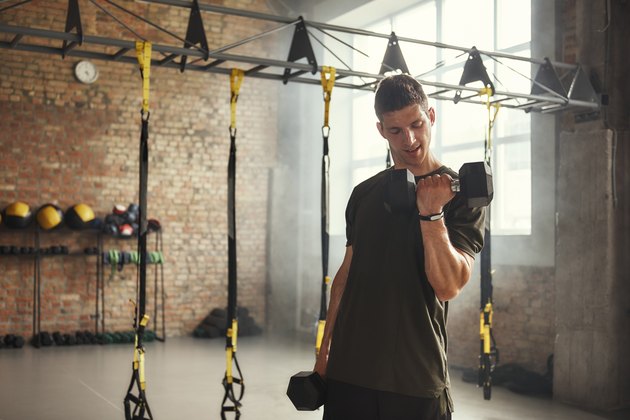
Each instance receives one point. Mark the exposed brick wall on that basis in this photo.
(65, 142)
(523, 324)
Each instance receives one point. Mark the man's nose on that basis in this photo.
(410, 136)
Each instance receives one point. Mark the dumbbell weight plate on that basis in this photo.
(476, 184)
(307, 391)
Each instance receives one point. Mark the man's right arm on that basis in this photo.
(336, 292)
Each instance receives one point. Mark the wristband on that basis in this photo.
(431, 217)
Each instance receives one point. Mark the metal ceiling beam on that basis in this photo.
(348, 30)
(271, 69)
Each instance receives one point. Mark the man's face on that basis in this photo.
(408, 132)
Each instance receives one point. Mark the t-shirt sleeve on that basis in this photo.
(466, 226)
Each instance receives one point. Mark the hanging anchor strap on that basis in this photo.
(488, 352)
(231, 402)
(328, 82)
(136, 405)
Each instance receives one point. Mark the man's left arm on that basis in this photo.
(448, 268)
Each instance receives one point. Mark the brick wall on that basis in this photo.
(65, 142)
(523, 323)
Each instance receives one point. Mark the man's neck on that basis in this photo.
(428, 165)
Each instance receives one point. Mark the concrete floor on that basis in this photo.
(184, 381)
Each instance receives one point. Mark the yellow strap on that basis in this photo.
(143, 383)
(328, 81)
(484, 328)
(321, 325)
(492, 115)
(234, 333)
(228, 362)
(236, 78)
(143, 52)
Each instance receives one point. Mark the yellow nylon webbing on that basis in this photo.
(143, 52)
(236, 78)
(321, 326)
(491, 119)
(328, 81)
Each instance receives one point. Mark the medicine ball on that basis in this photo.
(80, 216)
(49, 216)
(17, 215)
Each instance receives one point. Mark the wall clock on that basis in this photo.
(86, 72)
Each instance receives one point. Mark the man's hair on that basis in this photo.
(397, 92)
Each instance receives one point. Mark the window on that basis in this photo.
(461, 129)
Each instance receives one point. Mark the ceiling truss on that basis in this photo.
(556, 86)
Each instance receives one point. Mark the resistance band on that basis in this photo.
(328, 81)
(488, 350)
(236, 78)
(141, 319)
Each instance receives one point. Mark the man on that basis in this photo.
(384, 348)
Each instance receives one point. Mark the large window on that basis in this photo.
(461, 129)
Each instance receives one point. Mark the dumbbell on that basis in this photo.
(69, 339)
(58, 338)
(307, 391)
(12, 340)
(474, 183)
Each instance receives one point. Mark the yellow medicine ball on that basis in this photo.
(17, 215)
(79, 216)
(49, 216)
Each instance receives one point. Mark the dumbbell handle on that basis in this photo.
(455, 185)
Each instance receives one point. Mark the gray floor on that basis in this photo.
(184, 382)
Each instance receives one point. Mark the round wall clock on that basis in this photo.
(86, 72)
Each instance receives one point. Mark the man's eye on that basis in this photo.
(394, 131)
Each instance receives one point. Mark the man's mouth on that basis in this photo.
(413, 149)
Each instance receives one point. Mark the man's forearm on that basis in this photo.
(447, 268)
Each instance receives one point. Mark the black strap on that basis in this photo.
(489, 353)
(159, 268)
(325, 200)
(140, 404)
(231, 402)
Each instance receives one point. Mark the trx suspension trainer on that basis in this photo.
(231, 403)
(328, 81)
(140, 409)
(488, 349)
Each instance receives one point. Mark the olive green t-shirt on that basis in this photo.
(390, 331)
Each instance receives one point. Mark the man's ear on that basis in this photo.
(431, 114)
(379, 127)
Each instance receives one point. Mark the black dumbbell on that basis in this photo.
(69, 339)
(12, 340)
(474, 183)
(43, 338)
(58, 338)
(307, 391)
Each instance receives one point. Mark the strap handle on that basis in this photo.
(328, 82)
(236, 78)
(493, 111)
(143, 53)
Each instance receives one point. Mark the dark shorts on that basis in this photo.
(350, 402)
